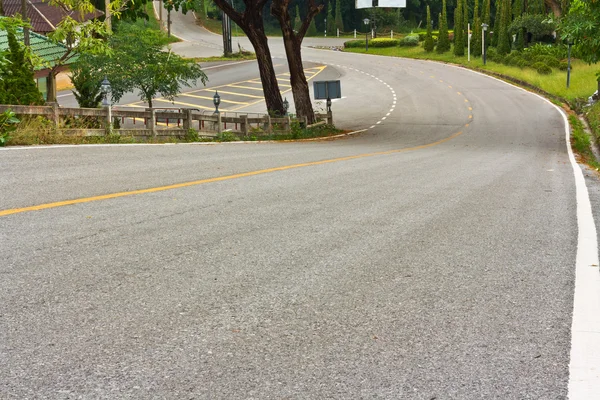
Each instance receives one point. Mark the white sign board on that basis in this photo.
(392, 3)
(364, 3)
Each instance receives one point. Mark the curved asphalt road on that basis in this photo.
(431, 257)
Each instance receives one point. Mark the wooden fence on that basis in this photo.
(160, 122)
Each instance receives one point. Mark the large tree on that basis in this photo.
(251, 21)
(582, 25)
(292, 42)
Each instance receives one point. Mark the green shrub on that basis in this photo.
(542, 68)
(550, 61)
(192, 135)
(563, 66)
(540, 49)
(354, 43)
(383, 42)
(422, 36)
(517, 61)
(491, 54)
(522, 63)
(8, 124)
(410, 41)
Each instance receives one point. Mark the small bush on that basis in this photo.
(522, 63)
(542, 68)
(550, 61)
(517, 61)
(563, 66)
(354, 43)
(422, 36)
(410, 41)
(226, 137)
(383, 42)
(491, 54)
(192, 135)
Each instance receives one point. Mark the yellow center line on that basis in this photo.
(216, 179)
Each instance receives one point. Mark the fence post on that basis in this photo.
(288, 124)
(151, 122)
(55, 114)
(219, 128)
(244, 125)
(355, 34)
(187, 121)
(392, 34)
(269, 126)
(338, 32)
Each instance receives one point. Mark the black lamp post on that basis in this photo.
(366, 22)
(569, 64)
(484, 26)
(286, 106)
(106, 89)
(216, 101)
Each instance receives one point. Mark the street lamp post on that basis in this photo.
(286, 106)
(216, 101)
(366, 22)
(569, 64)
(106, 90)
(484, 26)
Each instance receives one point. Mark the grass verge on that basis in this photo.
(239, 56)
(581, 142)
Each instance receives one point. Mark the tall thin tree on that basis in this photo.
(476, 38)
(443, 39)
(459, 43)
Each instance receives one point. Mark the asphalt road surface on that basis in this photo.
(430, 256)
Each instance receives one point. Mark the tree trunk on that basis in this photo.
(292, 42)
(51, 87)
(298, 81)
(1, 8)
(554, 6)
(107, 15)
(251, 22)
(267, 73)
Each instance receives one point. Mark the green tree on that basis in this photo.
(443, 39)
(459, 43)
(582, 26)
(297, 20)
(497, 19)
(476, 37)
(339, 22)
(465, 23)
(86, 76)
(17, 85)
(486, 19)
(312, 29)
(330, 21)
(504, 42)
(138, 63)
(428, 45)
(518, 9)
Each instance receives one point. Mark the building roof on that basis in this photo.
(43, 17)
(41, 46)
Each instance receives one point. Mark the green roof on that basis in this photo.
(41, 46)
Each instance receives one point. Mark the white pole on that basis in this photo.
(355, 34)
(338, 32)
(372, 33)
(392, 34)
(469, 42)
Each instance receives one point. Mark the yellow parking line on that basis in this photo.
(245, 87)
(186, 104)
(237, 94)
(210, 98)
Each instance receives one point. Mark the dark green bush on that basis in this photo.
(522, 63)
(550, 61)
(491, 54)
(542, 68)
(563, 65)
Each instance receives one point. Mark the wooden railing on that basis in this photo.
(162, 122)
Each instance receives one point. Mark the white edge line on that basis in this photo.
(584, 358)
